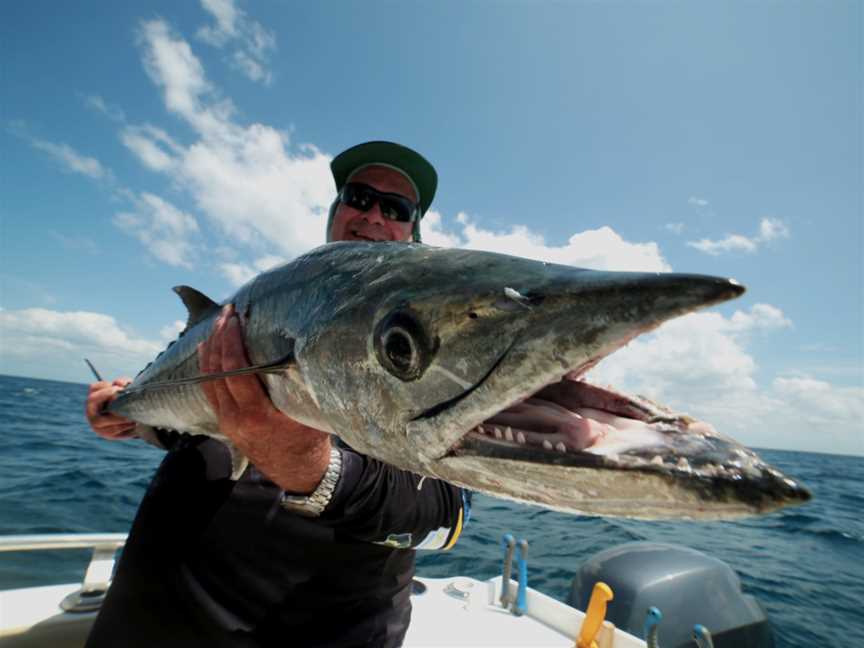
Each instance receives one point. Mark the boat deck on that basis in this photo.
(448, 612)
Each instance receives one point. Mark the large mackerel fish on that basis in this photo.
(468, 366)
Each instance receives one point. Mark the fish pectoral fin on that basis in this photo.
(268, 367)
(199, 305)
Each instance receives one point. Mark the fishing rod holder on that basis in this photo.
(516, 604)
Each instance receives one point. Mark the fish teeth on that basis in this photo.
(657, 459)
(498, 434)
(683, 464)
(547, 444)
(560, 447)
(508, 433)
(520, 438)
(709, 469)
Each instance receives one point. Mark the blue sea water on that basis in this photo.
(805, 565)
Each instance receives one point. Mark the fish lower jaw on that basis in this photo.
(574, 423)
(571, 424)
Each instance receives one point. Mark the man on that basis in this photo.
(314, 545)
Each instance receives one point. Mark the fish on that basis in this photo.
(470, 367)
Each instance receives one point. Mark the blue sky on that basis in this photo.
(146, 145)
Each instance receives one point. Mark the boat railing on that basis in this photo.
(99, 572)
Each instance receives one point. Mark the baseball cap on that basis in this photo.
(418, 169)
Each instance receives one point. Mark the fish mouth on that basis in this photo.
(579, 423)
(572, 423)
(532, 428)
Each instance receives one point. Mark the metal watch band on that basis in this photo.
(313, 505)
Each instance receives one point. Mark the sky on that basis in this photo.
(150, 144)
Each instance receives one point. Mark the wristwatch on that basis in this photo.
(313, 505)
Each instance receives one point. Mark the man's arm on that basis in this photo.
(376, 502)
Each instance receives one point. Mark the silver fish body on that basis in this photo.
(417, 356)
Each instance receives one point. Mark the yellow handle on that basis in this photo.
(595, 615)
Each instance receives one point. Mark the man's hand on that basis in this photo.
(108, 426)
(289, 453)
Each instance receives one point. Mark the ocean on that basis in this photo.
(805, 565)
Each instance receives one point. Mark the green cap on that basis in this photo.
(410, 162)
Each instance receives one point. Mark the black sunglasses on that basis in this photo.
(393, 206)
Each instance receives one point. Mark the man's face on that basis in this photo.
(351, 224)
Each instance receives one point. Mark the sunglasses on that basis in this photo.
(393, 206)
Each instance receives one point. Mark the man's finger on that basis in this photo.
(97, 399)
(215, 365)
(108, 420)
(97, 386)
(207, 364)
(204, 367)
(246, 390)
(111, 432)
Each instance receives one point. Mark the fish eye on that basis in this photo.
(402, 345)
(399, 349)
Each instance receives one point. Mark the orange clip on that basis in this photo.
(594, 616)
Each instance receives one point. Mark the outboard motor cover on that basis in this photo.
(687, 587)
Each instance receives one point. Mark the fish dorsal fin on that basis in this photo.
(199, 305)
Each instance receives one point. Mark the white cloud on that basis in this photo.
(731, 243)
(675, 228)
(698, 202)
(163, 229)
(239, 273)
(149, 144)
(772, 228)
(269, 261)
(761, 316)
(171, 65)
(253, 43)
(769, 230)
(434, 233)
(226, 16)
(250, 67)
(68, 157)
(243, 178)
(37, 336)
(701, 364)
(600, 249)
(172, 330)
(823, 403)
(52, 344)
(72, 160)
(99, 104)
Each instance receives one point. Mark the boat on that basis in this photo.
(61, 615)
(457, 611)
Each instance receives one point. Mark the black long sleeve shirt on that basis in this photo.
(212, 562)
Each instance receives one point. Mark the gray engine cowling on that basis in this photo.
(687, 586)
